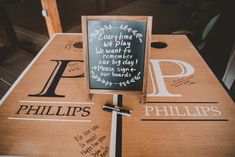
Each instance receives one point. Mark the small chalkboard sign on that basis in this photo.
(116, 52)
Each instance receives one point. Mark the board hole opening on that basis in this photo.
(78, 45)
(159, 45)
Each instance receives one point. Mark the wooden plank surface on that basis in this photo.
(53, 18)
(187, 113)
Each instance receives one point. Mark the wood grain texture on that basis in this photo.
(53, 18)
(200, 122)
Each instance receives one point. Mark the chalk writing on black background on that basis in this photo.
(116, 54)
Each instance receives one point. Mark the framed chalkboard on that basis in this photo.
(116, 52)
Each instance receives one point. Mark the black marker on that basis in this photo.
(119, 110)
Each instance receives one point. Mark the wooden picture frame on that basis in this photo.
(87, 25)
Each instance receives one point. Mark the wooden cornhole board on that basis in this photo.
(188, 113)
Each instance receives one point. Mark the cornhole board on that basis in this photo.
(188, 113)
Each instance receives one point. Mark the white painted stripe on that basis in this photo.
(55, 120)
(113, 135)
(152, 80)
(26, 70)
(56, 102)
(112, 152)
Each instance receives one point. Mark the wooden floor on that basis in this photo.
(12, 63)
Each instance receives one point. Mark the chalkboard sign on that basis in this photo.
(116, 53)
